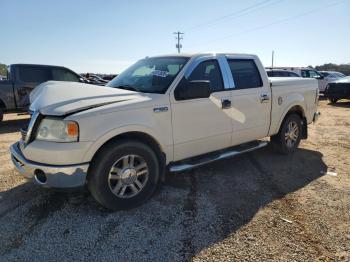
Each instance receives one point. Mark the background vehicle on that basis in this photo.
(339, 89)
(167, 112)
(306, 72)
(332, 74)
(23, 78)
(280, 73)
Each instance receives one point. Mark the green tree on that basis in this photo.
(3, 69)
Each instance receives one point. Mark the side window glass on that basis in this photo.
(59, 74)
(33, 74)
(245, 73)
(208, 70)
(305, 73)
(313, 74)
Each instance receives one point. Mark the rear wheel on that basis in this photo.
(288, 138)
(333, 100)
(124, 174)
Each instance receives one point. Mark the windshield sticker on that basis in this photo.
(159, 73)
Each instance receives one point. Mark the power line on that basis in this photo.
(244, 11)
(276, 22)
(178, 38)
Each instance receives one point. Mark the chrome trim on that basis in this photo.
(264, 98)
(30, 126)
(57, 176)
(184, 167)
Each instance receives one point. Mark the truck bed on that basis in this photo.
(287, 91)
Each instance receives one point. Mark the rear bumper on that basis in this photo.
(66, 176)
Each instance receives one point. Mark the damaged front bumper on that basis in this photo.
(57, 176)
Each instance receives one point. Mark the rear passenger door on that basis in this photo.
(251, 100)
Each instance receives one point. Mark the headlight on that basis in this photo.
(58, 130)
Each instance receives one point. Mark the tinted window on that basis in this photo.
(270, 73)
(291, 74)
(59, 74)
(208, 70)
(33, 74)
(305, 73)
(245, 73)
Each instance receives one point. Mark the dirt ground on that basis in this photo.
(258, 206)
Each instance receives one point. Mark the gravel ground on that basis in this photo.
(257, 206)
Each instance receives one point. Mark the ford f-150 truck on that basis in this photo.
(23, 78)
(163, 114)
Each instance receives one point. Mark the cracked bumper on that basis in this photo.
(57, 176)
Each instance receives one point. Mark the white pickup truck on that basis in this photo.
(162, 114)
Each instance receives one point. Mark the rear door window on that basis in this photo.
(33, 74)
(245, 73)
(60, 74)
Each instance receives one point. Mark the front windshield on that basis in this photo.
(150, 75)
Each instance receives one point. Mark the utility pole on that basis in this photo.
(273, 55)
(178, 38)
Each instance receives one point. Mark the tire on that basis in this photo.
(291, 127)
(333, 100)
(124, 167)
(1, 115)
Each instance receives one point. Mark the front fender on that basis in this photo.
(125, 129)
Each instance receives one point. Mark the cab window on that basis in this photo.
(245, 73)
(59, 74)
(208, 70)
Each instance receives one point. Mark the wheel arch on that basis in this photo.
(140, 136)
(2, 105)
(299, 110)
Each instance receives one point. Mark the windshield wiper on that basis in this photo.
(127, 87)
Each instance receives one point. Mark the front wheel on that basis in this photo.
(288, 138)
(123, 174)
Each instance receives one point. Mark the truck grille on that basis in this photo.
(27, 131)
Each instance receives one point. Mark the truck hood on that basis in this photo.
(62, 98)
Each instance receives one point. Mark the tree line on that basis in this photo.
(342, 68)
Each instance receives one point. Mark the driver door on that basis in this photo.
(202, 125)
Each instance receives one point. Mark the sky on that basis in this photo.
(108, 36)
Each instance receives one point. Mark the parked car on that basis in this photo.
(306, 72)
(109, 77)
(332, 74)
(280, 73)
(98, 79)
(339, 89)
(23, 78)
(170, 113)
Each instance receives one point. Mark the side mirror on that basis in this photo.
(192, 89)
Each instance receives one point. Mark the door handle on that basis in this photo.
(264, 98)
(225, 103)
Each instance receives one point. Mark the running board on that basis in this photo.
(212, 157)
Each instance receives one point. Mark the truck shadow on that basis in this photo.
(191, 212)
(11, 126)
(341, 103)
